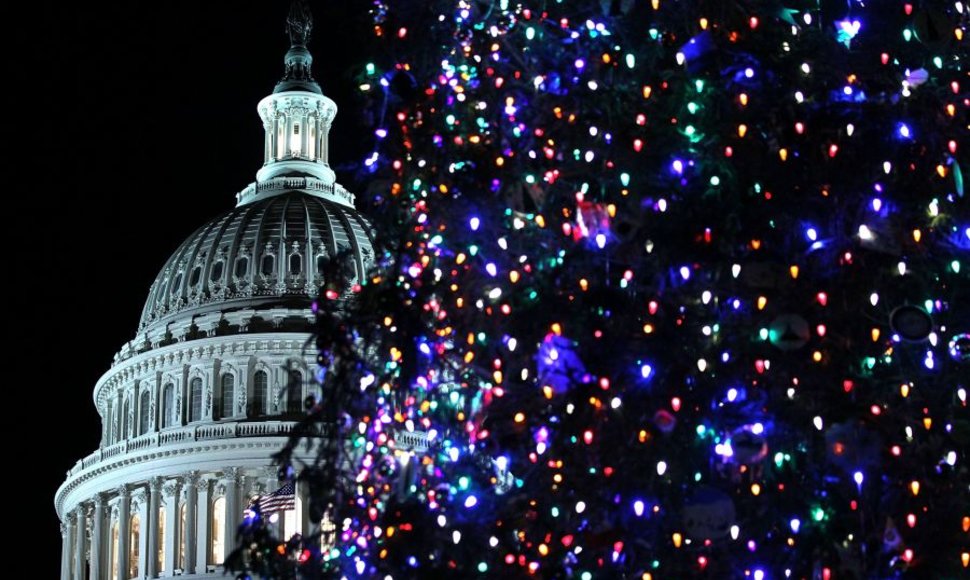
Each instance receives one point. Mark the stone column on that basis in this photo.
(151, 527)
(191, 520)
(233, 479)
(303, 515)
(80, 546)
(272, 484)
(171, 492)
(144, 519)
(204, 529)
(124, 503)
(67, 530)
(97, 538)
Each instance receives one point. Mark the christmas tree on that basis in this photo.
(666, 289)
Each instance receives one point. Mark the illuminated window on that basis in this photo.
(218, 553)
(228, 395)
(280, 136)
(124, 420)
(114, 551)
(295, 140)
(161, 539)
(133, 546)
(312, 138)
(168, 404)
(195, 402)
(180, 549)
(108, 417)
(328, 533)
(260, 387)
(144, 410)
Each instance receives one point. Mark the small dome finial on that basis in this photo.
(298, 76)
(299, 23)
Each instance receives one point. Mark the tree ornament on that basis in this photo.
(749, 445)
(665, 421)
(789, 332)
(709, 514)
(959, 347)
(911, 323)
(557, 363)
(852, 446)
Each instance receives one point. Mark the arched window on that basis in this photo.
(160, 564)
(268, 265)
(294, 392)
(295, 140)
(124, 420)
(218, 552)
(195, 400)
(242, 267)
(115, 544)
(228, 395)
(108, 418)
(312, 137)
(280, 136)
(168, 404)
(260, 388)
(180, 549)
(321, 265)
(135, 523)
(144, 410)
(296, 264)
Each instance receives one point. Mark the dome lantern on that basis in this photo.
(296, 119)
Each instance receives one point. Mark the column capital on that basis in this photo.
(172, 487)
(139, 495)
(99, 500)
(124, 490)
(232, 474)
(70, 518)
(155, 484)
(192, 478)
(63, 530)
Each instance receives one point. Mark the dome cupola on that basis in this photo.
(296, 118)
(261, 263)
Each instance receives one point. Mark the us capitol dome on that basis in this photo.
(194, 406)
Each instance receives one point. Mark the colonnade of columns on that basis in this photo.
(139, 531)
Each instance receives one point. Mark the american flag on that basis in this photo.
(282, 499)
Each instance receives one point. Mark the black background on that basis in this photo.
(134, 124)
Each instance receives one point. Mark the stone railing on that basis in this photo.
(331, 190)
(406, 440)
(189, 433)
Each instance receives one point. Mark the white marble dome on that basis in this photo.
(259, 255)
(216, 377)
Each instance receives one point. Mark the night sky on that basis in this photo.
(146, 128)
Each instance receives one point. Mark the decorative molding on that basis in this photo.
(108, 467)
(169, 359)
